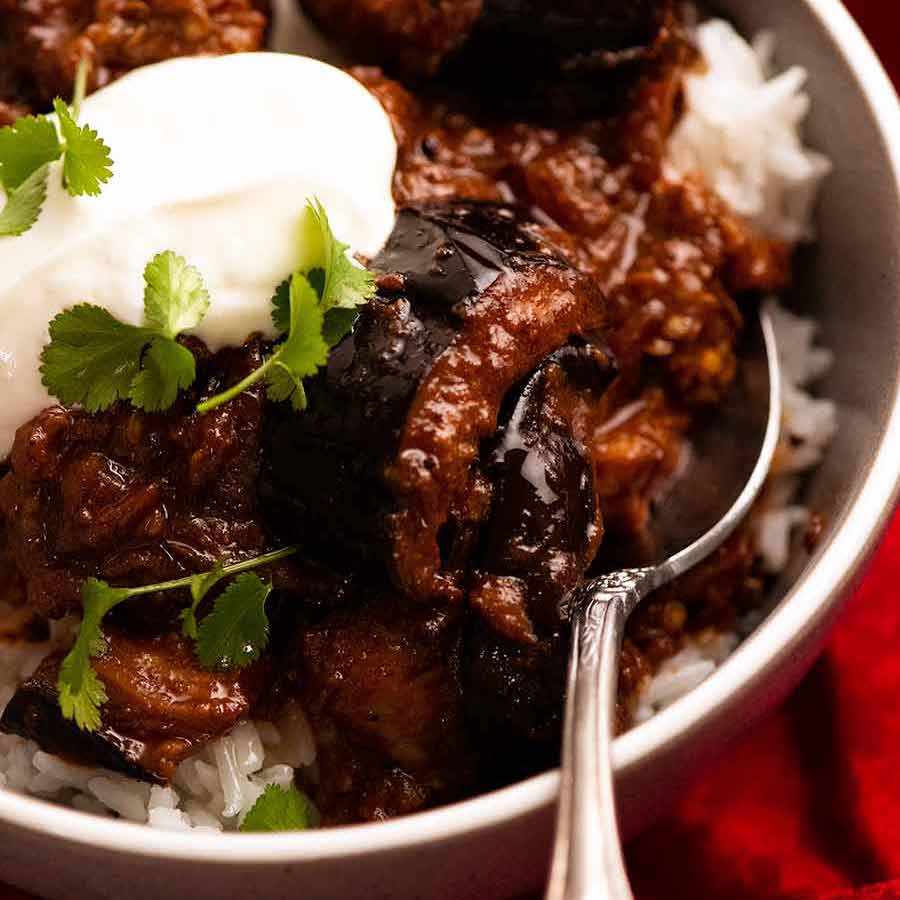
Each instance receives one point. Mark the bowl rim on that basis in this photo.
(777, 639)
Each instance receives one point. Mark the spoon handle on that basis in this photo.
(587, 857)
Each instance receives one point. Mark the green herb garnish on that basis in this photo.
(87, 165)
(23, 205)
(94, 359)
(200, 586)
(237, 630)
(279, 810)
(343, 285)
(295, 358)
(81, 692)
(28, 146)
(315, 308)
(233, 634)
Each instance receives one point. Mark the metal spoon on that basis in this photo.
(728, 467)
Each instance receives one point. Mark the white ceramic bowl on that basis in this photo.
(497, 845)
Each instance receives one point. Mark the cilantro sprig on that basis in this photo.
(94, 359)
(232, 635)
(28, 146)
(297, 357)
(314, 309)
(280, 809)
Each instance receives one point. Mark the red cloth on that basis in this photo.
(808, 805)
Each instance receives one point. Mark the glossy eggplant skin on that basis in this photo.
(543, 533)
(545, 524)
(321, 481)
(34, 713)
(451, 252)
(323, 476)
(584, 31)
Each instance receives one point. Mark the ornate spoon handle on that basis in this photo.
(587, 859)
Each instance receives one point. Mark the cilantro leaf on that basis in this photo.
(316, 277)
(346, 285)
(26, 146)
(81, 692)
(166, 369)
(175, 297)
(242, 633)
(316, 240)
(281, 307)
(316, 308)
(338, 324)
(350, 285)
(299, 356)
(92, 357)
(23, 205)
(305, 348)
(236, 632)
(200, 586)
(282, 384)
(279, 810)
(87, 165)
(281, 301)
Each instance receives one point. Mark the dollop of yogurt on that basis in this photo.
(215, 159)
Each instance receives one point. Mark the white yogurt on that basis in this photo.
(214, 158)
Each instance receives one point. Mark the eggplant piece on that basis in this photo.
(414, 36)
(375, 466)
(577, 27)
(560, 59)
(321, 479)
(551, 58)
(543, 533)
(545, 525)
(448, 253)
(162, 707)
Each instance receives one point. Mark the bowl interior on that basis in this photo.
(850, 282)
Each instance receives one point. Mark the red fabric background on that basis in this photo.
(808, 805)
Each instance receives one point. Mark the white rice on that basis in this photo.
(211, 791)
(741, 130)
(684, 671)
